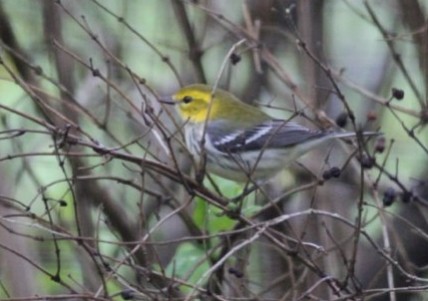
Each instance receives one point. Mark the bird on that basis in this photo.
(239, 141)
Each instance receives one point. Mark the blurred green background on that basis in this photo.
(94, 70)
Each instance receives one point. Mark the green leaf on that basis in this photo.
(210, 218)
(189, 264)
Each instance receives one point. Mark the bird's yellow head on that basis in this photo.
(194, 102)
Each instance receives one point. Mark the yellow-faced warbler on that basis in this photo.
(240, 141)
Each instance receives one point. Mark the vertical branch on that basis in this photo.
(64, 67)
(310, 30)
(414, 18)
(310, 26)
(195, 52)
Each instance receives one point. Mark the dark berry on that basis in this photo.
(342, 119)
(397, 93)
(127, 294)
(380, 145)
(335, 172)
(367, 161)
(235, 58)
(389, 196)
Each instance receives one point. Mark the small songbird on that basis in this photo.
(240, 141)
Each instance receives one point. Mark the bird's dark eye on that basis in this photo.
(187, 99)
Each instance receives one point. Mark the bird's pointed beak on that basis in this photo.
(167, 100)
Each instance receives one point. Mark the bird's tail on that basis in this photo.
(355, 134)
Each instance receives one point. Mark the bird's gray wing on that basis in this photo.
(269, 134)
